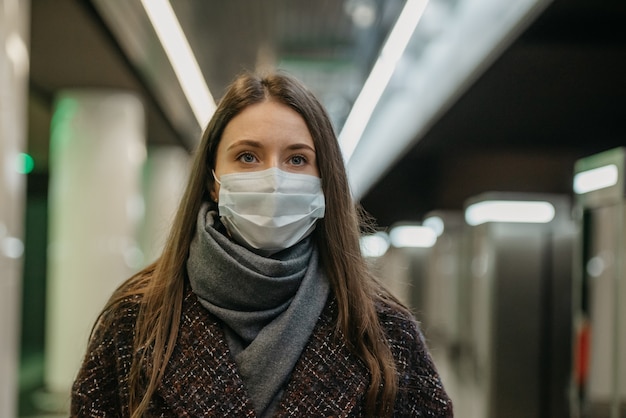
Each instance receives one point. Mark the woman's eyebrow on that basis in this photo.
(245, 142)
(258, 144)
(301, 146)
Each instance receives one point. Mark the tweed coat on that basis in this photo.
(201, 378)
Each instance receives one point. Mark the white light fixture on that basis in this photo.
(12, 247)
(509, 211)
(181, 57)
(412, 236)
(595, 179)
(435, 223)
(374, 245)
(379, 77)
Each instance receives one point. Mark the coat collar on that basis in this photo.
(201, 378)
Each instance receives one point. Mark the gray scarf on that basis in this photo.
(269, 305)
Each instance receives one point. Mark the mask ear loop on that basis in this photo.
(217, 181)
(215, 177)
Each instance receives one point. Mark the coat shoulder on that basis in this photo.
(399, 324)
(420, 390)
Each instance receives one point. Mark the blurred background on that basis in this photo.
(486, 137)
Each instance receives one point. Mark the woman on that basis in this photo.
(261, 303)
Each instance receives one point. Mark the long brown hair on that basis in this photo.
(336, 235)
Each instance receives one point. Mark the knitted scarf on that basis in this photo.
(268, 305)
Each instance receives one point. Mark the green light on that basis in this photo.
(25, 163)
(60, 125)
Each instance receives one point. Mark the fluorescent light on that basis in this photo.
(442, 60)
(594, 179)
(379, 76)
(435, 223)
(181, 57)
(509, 211)
(374, 245)
(412, 236)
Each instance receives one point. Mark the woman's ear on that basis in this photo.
(214, 191)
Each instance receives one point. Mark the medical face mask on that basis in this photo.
(270, 210)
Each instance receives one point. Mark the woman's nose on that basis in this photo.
(273, 162)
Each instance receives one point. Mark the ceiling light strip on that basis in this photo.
(408, 236)
(379, 76)
(181, 57)
(374, 245)
(509, 211)
(596, 179)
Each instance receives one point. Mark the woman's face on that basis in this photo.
(265, 135)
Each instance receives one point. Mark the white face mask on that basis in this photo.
(270, 210)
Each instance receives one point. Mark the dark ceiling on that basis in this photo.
(556, 95)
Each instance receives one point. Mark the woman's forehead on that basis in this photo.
(269, 120)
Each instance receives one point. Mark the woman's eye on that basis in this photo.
(246, 157)
(298, 160)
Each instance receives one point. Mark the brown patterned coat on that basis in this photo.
(201, 378)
